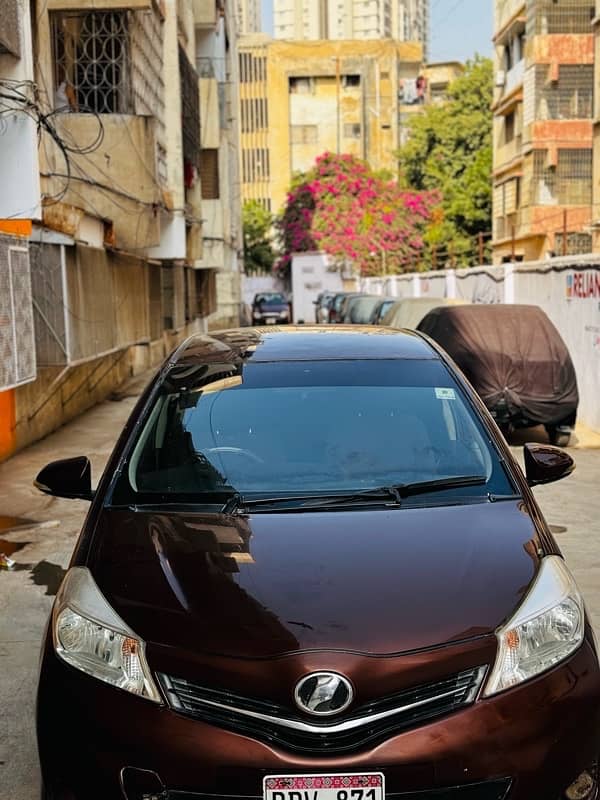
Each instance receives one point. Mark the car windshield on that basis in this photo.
(271, 300)
(323, 427)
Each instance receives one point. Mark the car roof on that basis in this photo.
(303, 343)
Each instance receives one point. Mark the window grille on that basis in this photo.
(209, 174)
(92, 56)
(190, 110)
(253, 69)
(17, 340)
(577, 244)
(546, 17)
(569, 183)
(256, 165)
(254, 114)
(304, 134)
(570, 97)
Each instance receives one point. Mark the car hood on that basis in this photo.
(372, 582)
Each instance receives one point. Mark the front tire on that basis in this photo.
(559, 438)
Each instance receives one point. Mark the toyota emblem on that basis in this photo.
(323, 694)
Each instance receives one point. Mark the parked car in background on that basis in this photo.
(347, 303)
(313, 569)
(322, 305)
(408, 312)
(381, 309)
(271, 308)
(517, 362)
(360, 309)
(335, 309)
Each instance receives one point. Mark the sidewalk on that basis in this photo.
(26, 594)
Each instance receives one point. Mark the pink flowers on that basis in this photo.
(343, 208)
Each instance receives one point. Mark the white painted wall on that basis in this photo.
(311, 275)
(567, 289)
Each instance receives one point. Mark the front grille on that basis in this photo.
(366, 725)
(490, 790)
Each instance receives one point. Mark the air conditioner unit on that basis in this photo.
(500, 78)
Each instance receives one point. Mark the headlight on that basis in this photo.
(284, 314)
(90, 636)
(547, 628)
(256, 314)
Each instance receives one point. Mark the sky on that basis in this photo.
(459, 28)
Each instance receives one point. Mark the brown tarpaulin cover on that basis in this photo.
(510, 352)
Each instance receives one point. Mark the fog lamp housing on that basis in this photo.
(584, 787)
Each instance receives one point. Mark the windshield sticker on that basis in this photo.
(445, 394)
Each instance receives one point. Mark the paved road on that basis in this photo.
(26, 594)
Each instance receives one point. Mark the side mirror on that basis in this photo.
(546, 464)
(70, 477)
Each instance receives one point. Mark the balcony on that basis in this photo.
(508, 152)
(514, 77)
(508, 226)
(116, 183)
(508, 13)
(206, 12)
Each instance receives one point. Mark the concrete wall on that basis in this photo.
(59, 395)
(567, 289)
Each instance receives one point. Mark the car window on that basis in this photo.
(318, 427)
(271, 299)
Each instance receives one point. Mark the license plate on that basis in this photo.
(352, 786)
(270, 321)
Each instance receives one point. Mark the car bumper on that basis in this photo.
(530, 742)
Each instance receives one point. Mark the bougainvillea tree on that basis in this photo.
(343, 208)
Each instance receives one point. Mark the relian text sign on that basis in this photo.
(583, 285)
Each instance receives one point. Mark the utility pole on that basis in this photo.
(564, 242)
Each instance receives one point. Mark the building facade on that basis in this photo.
(301, 99)
(248, 16)
(117, 260)
(404, 20)
(543, 129)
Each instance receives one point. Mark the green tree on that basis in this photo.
(258, 250)
(450, 149)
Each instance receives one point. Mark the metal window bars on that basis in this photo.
(547, 17)
(92, 56)
(569, 97)
(569, 183)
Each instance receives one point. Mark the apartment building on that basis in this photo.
(301, 99)
(125, 247)
(404, 20)
(543, 128)
(248, 16)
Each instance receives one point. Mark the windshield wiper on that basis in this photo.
(392, 495)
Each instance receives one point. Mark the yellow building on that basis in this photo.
(301, 99)
(543, 122)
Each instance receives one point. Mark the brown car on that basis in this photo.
(312, 570)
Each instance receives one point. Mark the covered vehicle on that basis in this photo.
(408, 312)
(516, 360)
(271, 308)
